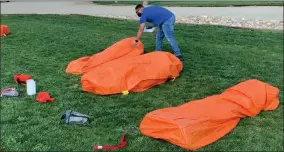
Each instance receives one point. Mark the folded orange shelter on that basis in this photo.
(133, 74)
(198, 123)
(120, 49)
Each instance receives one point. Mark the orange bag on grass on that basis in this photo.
(4, 30)
(201, 122)
(133, 74)
(120, 49)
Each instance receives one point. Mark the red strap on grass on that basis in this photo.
(122, 144)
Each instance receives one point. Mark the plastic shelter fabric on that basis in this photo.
(133, 74)
(120, 49)
(201, 122)
(4, 30)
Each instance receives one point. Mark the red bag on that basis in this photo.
(44, 97)
(4, 30)
(21, 79)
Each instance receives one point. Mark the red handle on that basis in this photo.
(122, 144)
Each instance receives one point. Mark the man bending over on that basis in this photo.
(164, 20)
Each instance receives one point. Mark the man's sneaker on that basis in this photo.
(180, 57)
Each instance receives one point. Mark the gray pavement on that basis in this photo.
(87, 8)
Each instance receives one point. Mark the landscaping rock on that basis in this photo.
(225, 21)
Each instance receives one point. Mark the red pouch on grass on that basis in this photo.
(21, 79)
(44, 97)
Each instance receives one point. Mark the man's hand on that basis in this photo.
(134, 44)
(139, 34)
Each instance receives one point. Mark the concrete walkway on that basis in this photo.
(86, 8)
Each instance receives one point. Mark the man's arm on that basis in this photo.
(140, 31)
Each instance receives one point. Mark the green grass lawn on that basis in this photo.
(216, 58)
(196, 3)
